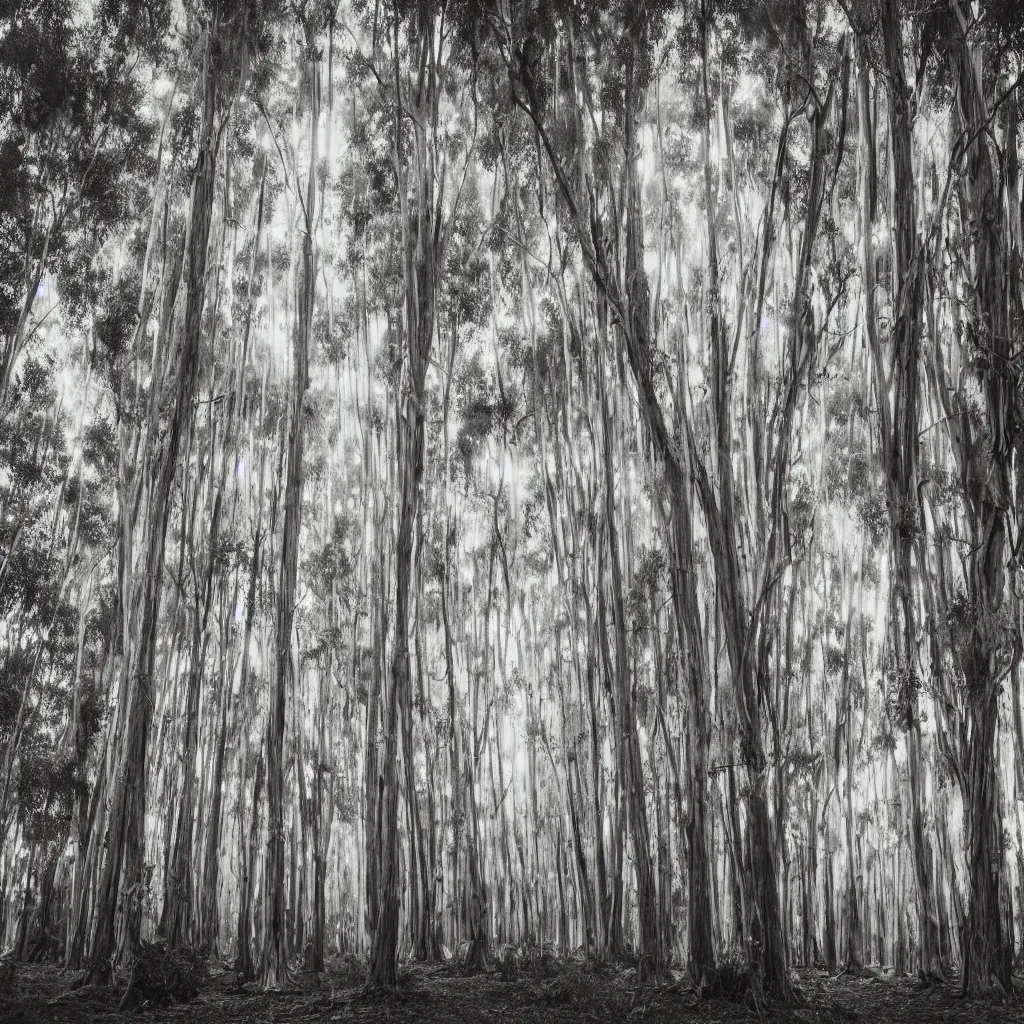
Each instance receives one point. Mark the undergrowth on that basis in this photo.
(348, 971)
(8, 976)
(732, 979)
(159, 976)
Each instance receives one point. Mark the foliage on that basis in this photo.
(159, 976)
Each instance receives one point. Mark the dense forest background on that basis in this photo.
(508, 474)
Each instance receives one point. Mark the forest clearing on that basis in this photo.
(511, 510)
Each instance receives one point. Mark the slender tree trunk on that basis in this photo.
(652, 954)
(421, 254)
(898, 389)
(984, 660)
(274, 967)
(123, 869)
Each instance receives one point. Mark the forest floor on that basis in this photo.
(557, 991)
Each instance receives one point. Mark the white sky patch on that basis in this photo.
(522, 760)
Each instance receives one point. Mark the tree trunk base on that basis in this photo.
(476, 959)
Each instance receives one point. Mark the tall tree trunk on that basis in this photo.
(421, 245)
(898, 389)
(274, 967)
(123, 868)
(179, 916)
(985, 657)
(652, 953)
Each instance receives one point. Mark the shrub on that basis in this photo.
(507, 963)
(348, 971)
(539, 962)
(566, 990)
(161, 976)
(732, 979)
(835, 1013)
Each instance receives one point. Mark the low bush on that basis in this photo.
(732, 979)
(159, 976)
(348, 971)
(566, 990)
(539, 962)
(506, 963)
(835, 1013)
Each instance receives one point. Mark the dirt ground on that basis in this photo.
(561, 992)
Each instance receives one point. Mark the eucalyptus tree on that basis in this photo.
(980, 407)
(477, 401)
(230, 36)
(414, 60)
(314, 18)
(76, 161)
(610, 234)
(623, 296)
(73, 135)
(896, 374)
(416, 42)
(52, 512)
